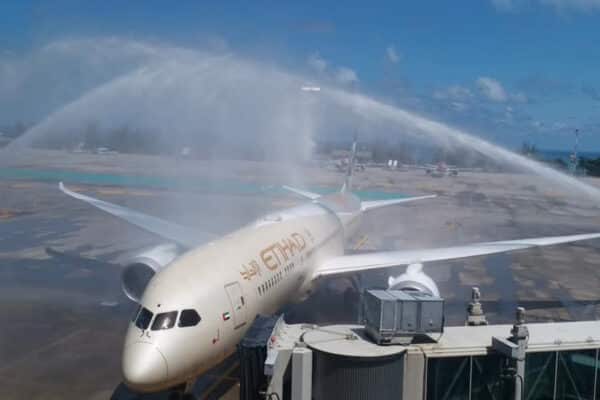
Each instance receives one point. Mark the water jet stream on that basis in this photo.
(236, 105)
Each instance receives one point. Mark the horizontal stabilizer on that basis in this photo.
(303, 193)
(376, 260)
(370, 205)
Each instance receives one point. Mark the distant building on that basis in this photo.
(363, 155)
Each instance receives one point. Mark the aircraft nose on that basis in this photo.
(144, 366)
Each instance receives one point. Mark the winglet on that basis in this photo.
(76, 195)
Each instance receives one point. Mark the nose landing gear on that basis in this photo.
(182, 392)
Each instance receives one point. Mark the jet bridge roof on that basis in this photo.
(475, 340)
(459, 340)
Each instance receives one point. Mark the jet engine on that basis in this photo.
(141, 268)
(414, 279)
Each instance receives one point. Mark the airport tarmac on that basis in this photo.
(64, 315)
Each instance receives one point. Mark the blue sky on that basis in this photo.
(511, 70)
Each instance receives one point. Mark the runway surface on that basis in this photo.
(64, 317)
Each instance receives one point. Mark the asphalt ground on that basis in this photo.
(64, 316)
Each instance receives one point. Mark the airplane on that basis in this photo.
(441, 170)
(198, 294)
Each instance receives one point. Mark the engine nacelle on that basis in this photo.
(140, 269)
(414, 279)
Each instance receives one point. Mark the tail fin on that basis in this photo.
(351, 162)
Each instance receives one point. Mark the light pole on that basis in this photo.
(574, 157)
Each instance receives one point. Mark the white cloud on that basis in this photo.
(459, 106)
(491, 89)
(342, 75)
(392, 55)
(455, 92)
(318, 63)
(346, 75)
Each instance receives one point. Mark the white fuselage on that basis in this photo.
(229, 282)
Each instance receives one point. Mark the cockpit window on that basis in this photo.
(188, 318)
(144, 318)
(164, 320)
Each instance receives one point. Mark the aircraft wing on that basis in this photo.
(303, 193)
(370, 205)
(376, 260)
(182, 235)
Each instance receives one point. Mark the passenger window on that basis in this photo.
(164, 321)
(144, 318)
(188, 318)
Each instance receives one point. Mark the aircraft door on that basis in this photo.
(237, 302)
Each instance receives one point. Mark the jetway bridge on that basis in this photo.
(553, 360)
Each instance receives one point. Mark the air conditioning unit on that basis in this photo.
(398, 317)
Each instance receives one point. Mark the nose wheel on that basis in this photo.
(182, 392)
